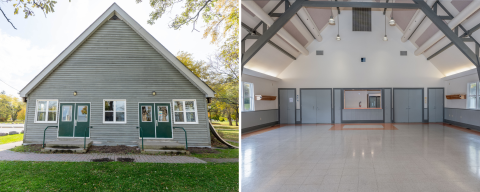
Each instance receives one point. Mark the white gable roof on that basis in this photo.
(120, 13)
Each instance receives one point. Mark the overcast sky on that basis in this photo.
(38, 40)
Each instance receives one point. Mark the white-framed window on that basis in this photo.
(248, 97)
(185, 111)
(46, 111)
(115, 111)
(473, 96)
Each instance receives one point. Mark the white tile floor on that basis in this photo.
(416, 157)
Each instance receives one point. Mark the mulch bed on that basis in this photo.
(119, 149)
(202, 150)
(125, 159)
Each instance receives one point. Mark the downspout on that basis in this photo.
(255, 9)
(469, 10)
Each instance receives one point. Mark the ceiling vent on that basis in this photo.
(319, 52)
(403, 53)
(362, 19)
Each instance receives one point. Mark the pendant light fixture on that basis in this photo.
(331, 21)
(385, 38)
(392, 21)
(338, 25)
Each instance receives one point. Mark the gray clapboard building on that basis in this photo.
(114, 78)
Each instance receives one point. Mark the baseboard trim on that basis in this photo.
(363, 121)
(258, 127)
(464, 125)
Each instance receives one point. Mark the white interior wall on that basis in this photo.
(458, 85)
(263, 86)
(340, 66)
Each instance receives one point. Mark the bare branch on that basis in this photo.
(8, 19)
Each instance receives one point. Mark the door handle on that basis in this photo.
(75, 123)
(156, 122)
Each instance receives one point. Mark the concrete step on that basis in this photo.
(71, 144)
(75, 150)
(161, 145)
(156, 151)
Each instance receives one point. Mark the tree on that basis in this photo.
(221, 17)
(27, 7)
(10, 106)
(3, 92)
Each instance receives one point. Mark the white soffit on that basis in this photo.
(119, 12)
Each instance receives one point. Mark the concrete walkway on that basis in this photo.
(7, 155)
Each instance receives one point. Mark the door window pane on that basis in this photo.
(178, 105)
(190, 116)
(67, 113)
(179, 117)
(82, 112)
(146, 113)
(163, 114)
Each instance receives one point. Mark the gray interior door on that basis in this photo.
(439, 105)
(338, 110)
(287, 106)
(400, 105)
(309, 104)
(387, 105)
(432, 117)
(415, 106)
(324, 106)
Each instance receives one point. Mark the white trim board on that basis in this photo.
(119, 12)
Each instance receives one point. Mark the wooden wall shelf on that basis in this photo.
(265, 97)
(458, 96)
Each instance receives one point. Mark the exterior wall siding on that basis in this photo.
(116, 63)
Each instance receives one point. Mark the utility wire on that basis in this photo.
(8, 84)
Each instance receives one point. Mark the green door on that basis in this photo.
(82, 119)
(66, 124)
(163, 117)
(146, 121)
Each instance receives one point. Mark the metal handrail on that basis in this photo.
(141, 135)
(186, 143)
(43, 146)
(85, 137)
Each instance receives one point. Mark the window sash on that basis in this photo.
(47, 112)
(475, 96)
(185, 113)
(116, 113)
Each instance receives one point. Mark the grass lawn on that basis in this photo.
(224, 153)
(11, 138)
(224, 125)
(117, 176)
(229, 134)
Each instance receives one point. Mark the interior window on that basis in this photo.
(248, 97)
